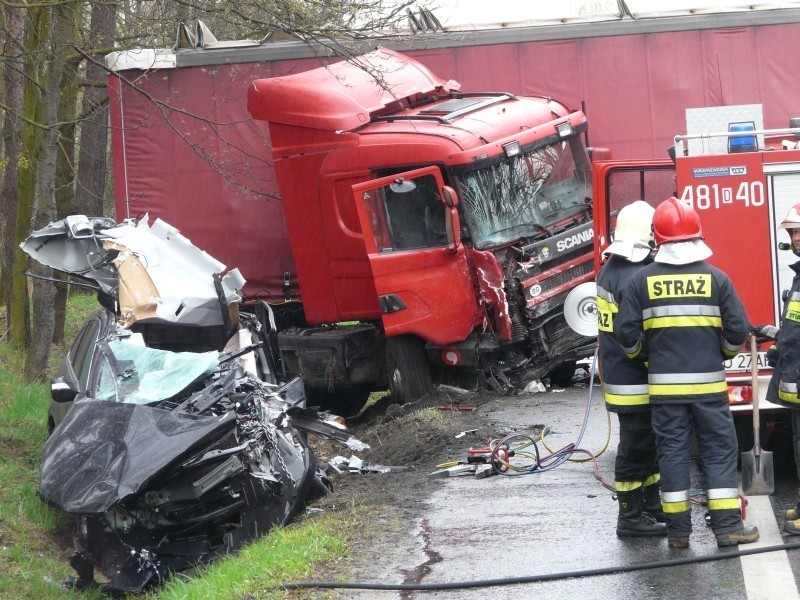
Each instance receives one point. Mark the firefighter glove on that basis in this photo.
(764, 333)
(772, 356)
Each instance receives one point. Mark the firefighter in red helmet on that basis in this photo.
(636, 478)
(684, 317)
(785, 355)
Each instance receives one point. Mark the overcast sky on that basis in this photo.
(469, 14)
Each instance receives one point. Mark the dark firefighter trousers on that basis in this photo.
(716, 441)
(636, 458)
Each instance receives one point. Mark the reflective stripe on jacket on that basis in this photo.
(624, 381)
(783, 385)
(686, 319)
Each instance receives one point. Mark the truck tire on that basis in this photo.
(562, 375)
(408, 369)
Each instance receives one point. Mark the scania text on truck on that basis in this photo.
(449, 226)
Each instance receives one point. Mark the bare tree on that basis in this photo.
(13, 69)
(52, 64)
(91, 180)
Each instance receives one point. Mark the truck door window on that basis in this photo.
(628, 185)
(407, 218)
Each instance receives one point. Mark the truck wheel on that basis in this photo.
(562, 375)
(408, 368)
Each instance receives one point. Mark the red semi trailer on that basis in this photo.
(185, 148)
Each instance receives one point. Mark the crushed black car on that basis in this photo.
(173, 437)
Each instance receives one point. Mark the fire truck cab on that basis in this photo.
(742, 182)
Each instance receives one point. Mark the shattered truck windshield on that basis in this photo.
(525, 195)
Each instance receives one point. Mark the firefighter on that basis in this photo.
(685, 318)
(636, 478)
(786, 355)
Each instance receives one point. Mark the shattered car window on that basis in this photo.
(136, 374)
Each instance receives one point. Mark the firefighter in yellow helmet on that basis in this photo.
(786, 355)
(685, 318)
(636, 477)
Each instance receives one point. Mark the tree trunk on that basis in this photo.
(64, 189)
(36, 36)
(93, 144)
(44, 291)
(12, 142)
(43, 319)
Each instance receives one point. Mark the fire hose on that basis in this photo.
(518, 453)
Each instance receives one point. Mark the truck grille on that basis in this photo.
(550, 283)
(561, 337)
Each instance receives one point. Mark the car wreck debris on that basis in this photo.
(173, 437)
(354, 464)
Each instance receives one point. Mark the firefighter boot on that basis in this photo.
(651, 502)
(791, 527)
(746, 535)
(632, 522)
(792, 514)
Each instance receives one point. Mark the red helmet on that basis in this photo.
(674, 221)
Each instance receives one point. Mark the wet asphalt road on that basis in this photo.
(563, 521)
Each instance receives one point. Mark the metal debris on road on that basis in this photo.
(479, 471)
(463, 433)
(356, 465)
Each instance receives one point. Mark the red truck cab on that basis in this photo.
(452, 223)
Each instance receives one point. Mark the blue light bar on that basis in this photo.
(742, 143)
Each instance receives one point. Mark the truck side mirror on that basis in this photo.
(452, 222)
(449, 196)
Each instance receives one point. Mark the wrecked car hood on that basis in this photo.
(150, 272)
(104, 452)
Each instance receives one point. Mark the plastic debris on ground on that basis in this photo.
(356, 465)
(463, 433)
(535, 387)
(479, 471)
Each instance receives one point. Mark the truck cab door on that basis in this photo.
(412, 236)
(617, 183)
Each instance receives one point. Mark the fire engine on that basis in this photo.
(742, 180)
